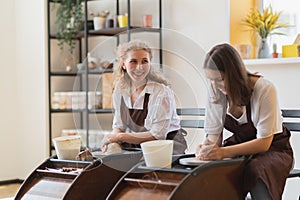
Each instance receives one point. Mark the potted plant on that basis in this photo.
(264, 24)
(275, 54)
(69, 21)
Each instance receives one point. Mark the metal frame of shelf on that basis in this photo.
(82, 37)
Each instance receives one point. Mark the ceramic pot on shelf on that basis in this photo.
(99, 22)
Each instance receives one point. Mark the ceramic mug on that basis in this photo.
(147, 21)
(123, 20)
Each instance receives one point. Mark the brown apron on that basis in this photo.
(272, 166)
(134, 119)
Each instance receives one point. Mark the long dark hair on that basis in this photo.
(227, 60)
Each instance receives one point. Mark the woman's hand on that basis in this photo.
(209, 151)
(110, 138)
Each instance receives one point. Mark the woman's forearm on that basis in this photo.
(133, 138)
(215, 139)
(247, 148)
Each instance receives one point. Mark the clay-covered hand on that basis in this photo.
(108, 139)
(113, 148)
(209, 151)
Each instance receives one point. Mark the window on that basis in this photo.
(290, 14)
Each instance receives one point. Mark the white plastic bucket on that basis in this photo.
(67, 147)
(158, 153)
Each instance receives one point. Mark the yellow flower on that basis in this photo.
(264, 23)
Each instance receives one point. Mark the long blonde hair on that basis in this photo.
(121, 78)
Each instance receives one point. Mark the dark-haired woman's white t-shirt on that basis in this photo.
(265, 111)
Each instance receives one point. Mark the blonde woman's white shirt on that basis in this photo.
(161, 118)
(265, 111)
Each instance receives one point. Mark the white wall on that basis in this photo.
(23, 141)
(191, 30)
(9, 137)
(31, 68)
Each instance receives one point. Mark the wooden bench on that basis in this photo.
(288, 116)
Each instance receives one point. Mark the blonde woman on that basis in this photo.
(145, 107)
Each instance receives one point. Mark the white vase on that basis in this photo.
(99, 22)
(264, 50)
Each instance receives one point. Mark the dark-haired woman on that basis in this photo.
(246, 105)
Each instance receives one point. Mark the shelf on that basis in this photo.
(143, 29)
(75, 73)
(63, 73)
(77, 37)
(111, 32)
(66, 110)
(108, 31)
(101, 111)
(84, 77)
(98, 71)
(272, 61)
(58, 1)
(117, 31)
(81, 110)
